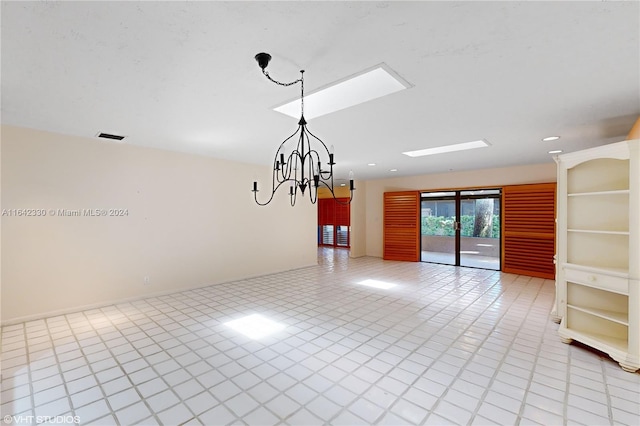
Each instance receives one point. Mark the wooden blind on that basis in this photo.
(342, 212)
(326, 213)
(529, 229)
(332, 214)
(334, 211)
(402, 226)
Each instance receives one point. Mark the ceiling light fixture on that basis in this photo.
(302, 167)
(448, 148)
(555, 151)
(550, 138)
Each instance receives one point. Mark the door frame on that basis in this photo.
(458, 197)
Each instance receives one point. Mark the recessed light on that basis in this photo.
(393, 170)
(550, 138)
(364, 86)
(448, 148)
(555, 151)
(371, 164)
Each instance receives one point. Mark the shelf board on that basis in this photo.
(616, 272)
(595, 340)
(595, 231)
(618, 317)
(614, 192)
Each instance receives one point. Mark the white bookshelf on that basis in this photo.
(598, 250)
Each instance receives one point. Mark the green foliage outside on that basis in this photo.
(440, 225)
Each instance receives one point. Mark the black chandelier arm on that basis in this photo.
(313, 196)
(329, 153)
(333, 194)
(255, 196)
(326, 174)
(273, 192)
(331, 163)
(277, 161)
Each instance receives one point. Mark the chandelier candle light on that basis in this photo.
(302, 168)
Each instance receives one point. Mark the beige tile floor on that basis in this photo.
(444, 345)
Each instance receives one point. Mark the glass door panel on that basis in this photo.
(438, 219)
(327, 235)
(342, 236)
(480, 228)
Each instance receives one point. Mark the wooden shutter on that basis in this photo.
(402, 226)
(342, 212)
(529, 229)
(333, 213)
(325, 211)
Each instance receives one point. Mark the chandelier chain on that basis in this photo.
(266, 73)
(300, 80)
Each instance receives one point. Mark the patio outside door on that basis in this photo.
(461, 228)
(439, 213)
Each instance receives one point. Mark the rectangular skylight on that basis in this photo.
(359, 88)
(448, 148)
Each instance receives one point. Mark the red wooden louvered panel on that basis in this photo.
(402, 226)
(326, 214)
(342, 212)
(529, 229)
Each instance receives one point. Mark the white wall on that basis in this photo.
(191, 222)
(375, 189)
(358, 214)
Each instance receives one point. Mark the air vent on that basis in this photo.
(110, 136)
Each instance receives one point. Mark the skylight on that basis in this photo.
(448, 148)
(255, 326)
(359, 88)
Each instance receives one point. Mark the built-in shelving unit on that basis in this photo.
(598, 244)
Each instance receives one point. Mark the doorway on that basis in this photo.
(334, 222)
(461, 228)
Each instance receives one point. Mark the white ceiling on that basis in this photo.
(181, 76)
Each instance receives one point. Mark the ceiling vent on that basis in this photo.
(110, 136)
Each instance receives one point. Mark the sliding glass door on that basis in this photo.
(461, 228)
(480, 228)
(439, 211)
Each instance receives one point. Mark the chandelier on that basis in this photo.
(298, 162)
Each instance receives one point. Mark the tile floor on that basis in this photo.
(444, 346)
(471, 260)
